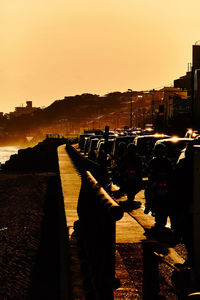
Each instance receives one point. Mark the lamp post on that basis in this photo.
(152, 108)
(131, 108)
(139, 110)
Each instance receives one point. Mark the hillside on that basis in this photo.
(84, 106)
(65, 115)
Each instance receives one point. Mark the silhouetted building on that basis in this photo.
(174, 101)
(191, 83)
(196, 55)
(196, 82)
(179, 106)
(184, 82)
(23, 110)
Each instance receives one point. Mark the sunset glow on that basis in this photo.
(52, 49)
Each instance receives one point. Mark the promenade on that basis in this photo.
(40, 255)
(131, 233)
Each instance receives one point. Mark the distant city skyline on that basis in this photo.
(52, 49)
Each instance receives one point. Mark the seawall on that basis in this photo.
(32, 226)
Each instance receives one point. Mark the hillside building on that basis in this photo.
(191, 83)
(160, 103)
(196, 82)
(23, 110)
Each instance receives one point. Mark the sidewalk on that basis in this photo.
(130, 233)
(71, 184)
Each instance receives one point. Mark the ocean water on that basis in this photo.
(6, 152)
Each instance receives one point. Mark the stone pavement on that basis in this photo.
(130, 233)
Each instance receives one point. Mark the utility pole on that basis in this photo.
(131, 108)
(152, 107)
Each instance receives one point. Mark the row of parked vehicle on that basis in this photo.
(92, 145)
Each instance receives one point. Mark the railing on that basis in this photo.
(95, 230)
(97, 239)
(84, 164)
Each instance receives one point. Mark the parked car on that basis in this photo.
(144, 147)
(92, 147)
(99, 152)
(174, 146)
(88, 140)
(81, 140)
(126, 139)
(196, 141)
(191, 133)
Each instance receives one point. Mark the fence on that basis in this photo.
(95, 229)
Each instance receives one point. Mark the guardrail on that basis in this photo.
(95, 230)
(84, 164)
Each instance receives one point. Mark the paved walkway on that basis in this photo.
(71, 184)
(130, 232)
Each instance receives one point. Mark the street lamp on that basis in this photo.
(131, 107)
(152, 107)
(138, 110)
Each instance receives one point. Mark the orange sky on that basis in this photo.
(56, 48)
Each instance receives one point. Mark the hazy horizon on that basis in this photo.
(52, 49)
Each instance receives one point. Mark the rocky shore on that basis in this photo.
(41, 158)
(30, 196)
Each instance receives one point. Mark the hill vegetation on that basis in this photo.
(63, 115)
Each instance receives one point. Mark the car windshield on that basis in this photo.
(125, 139)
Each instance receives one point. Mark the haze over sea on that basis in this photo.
(6, 152)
